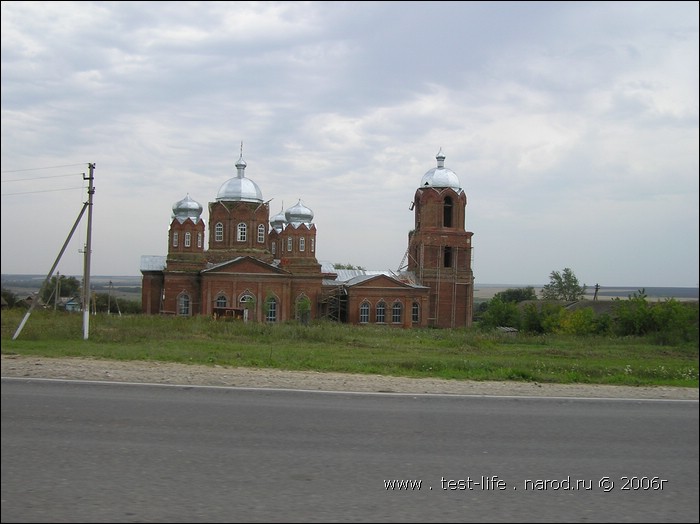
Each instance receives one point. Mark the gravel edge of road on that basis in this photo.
(69, 368)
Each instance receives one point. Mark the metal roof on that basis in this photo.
(152, 263)
(440, 176)
(240, 188)
(351, 277)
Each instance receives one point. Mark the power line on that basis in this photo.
(43, 191)
(39, 168)
(39, 177)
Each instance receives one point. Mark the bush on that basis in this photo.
(12, 299)
(632, 316)
(517, 294)
(670, 321)
(578, 322)
(500, 313)
(675, 322)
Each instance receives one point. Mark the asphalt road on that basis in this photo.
(109, 452)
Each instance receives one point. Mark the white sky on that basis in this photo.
(572, 126)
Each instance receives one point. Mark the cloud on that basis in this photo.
(572, 127)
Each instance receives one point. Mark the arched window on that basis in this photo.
(199, 239)
(396, 311)
(219, 232)
(274, 247)
(364, 312)
(175, 238)
(289, 244)
(447, 212)
(313, 245)
(271, 306)
(221, 301)
(415, 312)
(242, 234)
(247, 300)
(302, 243)
(261, 234)
(188, 239)
(381, 312)
(183, 304)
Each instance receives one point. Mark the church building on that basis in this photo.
(263, 269)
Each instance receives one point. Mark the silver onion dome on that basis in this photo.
(440, 176)
(299, 214)
(240, 188)
(187, 208)
(278, 221)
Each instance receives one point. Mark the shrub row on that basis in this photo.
(669, 321)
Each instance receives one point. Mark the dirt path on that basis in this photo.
(184, 374)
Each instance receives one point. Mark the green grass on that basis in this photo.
(462, 354)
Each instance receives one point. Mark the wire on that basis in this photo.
(42, 191)
(39, 168)
(40, 177)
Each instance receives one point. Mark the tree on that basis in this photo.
(303, 309)
(540, 317)
(11, 299)
(563, 286)
(517, 295)
(500, 313)
(66, 287)
(347, 266)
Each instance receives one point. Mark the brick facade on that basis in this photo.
(440, 254)
(270, 270)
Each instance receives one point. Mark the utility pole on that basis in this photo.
(58, 290)
(88, 250)
(109, 298)
(48, 277)
(116, 303)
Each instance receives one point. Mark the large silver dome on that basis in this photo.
(240, 188)
(440, 176)
(187, 208)
(299, 214)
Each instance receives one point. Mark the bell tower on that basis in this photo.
(440, 248)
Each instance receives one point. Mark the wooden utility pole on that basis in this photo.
(58, 290)
(88, 250)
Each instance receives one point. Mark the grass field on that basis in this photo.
(324, 346)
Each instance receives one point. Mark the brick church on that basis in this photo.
(264, 269)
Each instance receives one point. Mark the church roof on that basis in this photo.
(240, 188)
(440, 176)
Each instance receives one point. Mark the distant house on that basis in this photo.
(70, 304)
(30, 300)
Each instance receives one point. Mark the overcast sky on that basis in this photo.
(572, 126)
